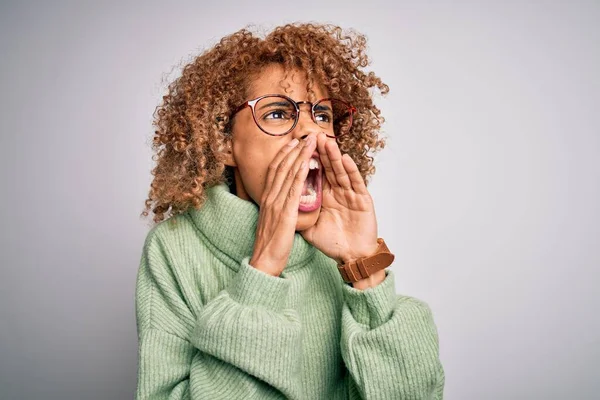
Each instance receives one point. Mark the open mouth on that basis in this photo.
(310, 199)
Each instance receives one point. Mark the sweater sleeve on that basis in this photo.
(241, 344)
(390, 345)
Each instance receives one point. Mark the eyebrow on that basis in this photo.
(323, 107)
(320, 107)
(276, 103)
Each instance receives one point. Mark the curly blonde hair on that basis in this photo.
(193, 122)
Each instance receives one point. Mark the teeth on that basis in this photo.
(309, 198)
(313, 164)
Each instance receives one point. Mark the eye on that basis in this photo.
(323, 117)
(278, 114)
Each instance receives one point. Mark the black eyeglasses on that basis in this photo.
(277, 115)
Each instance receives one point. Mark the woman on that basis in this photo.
(268, 279)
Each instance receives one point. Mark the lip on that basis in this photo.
(317, 204)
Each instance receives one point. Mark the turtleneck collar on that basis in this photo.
(229, 225)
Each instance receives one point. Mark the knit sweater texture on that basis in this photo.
(211, 326)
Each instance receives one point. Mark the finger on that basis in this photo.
(358, 183)
(326, 186)
(295, 190)
(286, 170)
(335, 159)
(288, 188)
(280, 165)
(329, 174)
(283, 152)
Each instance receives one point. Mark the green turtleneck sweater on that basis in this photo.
(210, 326)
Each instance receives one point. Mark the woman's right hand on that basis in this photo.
(279, 206)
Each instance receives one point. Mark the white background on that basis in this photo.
(487, 192)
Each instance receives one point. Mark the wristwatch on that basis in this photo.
(363, 267)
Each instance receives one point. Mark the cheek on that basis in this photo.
(253, 170)
(256, 163)
(253, 158)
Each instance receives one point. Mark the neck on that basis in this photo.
(240, 190)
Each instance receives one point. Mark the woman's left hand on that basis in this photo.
(346, 228)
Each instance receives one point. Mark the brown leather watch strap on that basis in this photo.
(362, 268)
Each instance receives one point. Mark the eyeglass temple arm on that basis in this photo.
(241, 107)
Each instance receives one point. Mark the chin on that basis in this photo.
(307, 219)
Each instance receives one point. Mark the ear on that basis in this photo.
(227, 154)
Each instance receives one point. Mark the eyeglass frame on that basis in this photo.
(252, 104)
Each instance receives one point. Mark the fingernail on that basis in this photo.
(309, 140)
(293, 143)
(303, 165)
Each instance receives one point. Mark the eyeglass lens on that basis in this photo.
(277, 115)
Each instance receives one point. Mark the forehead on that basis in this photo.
(270, 80)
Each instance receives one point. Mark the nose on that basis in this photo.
(305, 125)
